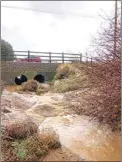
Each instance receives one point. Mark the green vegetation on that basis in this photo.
(7, 53)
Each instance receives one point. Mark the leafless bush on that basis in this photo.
(106, 76)
(20, 130)
(32, 148)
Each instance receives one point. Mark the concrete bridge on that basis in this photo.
(11, 69)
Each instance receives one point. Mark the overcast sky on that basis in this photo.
(29, 30)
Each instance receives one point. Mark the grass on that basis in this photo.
(74, 79)
(42, 88)
(31, 85)
(70, 84)
(66, 70)
(32, 148)
(14, 88)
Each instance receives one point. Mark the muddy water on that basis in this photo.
(86, 139)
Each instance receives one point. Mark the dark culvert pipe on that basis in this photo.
(39, 78)
(20, 79)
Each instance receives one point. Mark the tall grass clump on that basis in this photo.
(65, 71)
(69, 78)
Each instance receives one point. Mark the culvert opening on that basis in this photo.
(40, 78)
(20, 79)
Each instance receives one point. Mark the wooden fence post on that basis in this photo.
(5, 58)
(86, 58)
(81, 57)
(28, 55)
(91, 61)
(62, 57)
(50, 57)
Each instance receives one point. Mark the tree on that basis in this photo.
(103, 43)
(7, 53)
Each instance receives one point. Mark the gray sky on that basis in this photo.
(29, 30)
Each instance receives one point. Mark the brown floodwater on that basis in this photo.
(85, 138)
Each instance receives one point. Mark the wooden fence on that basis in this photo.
(47, 57)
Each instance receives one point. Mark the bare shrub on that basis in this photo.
(104, 103)
(7, 151)
(33, 148)
(20, 130)
(106, 76)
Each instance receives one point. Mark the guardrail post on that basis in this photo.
(28, 55)
(50, 57)
(62, 57)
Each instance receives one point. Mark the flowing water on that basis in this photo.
(86, 139)
(83, 137)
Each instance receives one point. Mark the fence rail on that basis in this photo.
(46, 57)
